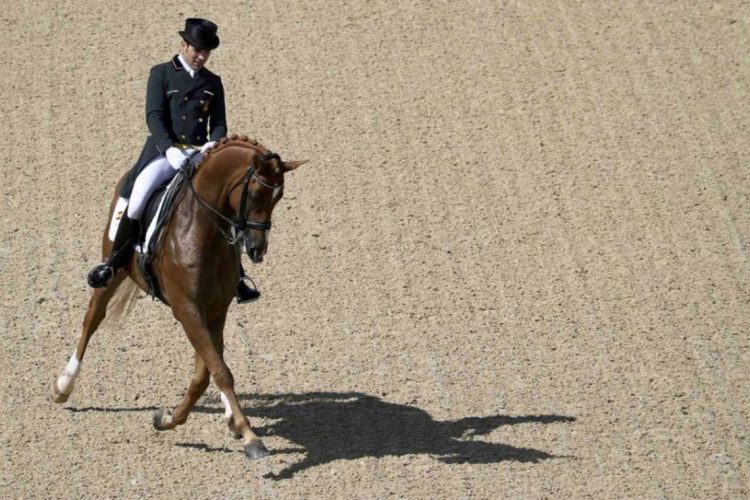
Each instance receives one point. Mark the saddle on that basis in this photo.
(159, 209)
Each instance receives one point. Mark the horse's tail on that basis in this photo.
(123, 300)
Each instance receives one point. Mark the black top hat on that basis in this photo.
(200, 33)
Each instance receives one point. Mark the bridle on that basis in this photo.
(240, 225)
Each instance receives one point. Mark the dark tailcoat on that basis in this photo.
(179, 111)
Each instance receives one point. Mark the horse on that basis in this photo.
(227, 204)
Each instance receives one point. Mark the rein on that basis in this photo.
(241, 224)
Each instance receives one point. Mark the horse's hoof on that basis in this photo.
(55, 395)
(162, 419)
(256, 449)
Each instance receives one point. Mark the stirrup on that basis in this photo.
(101, 275)
(246, 294)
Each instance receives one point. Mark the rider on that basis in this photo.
(183, 98)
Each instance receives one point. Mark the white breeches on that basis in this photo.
(154, 175)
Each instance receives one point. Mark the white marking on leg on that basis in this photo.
(66, 381)
(227, 408)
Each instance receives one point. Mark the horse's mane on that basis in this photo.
(234, 140)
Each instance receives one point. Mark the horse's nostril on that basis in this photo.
(255, 255)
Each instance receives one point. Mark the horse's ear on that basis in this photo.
(291, 165)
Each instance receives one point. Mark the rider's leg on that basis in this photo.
(154, 175)
(245, 293)
(101, 275)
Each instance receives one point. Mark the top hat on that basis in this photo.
(200, 33)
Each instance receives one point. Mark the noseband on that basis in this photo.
(241, 224)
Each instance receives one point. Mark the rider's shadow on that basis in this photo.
(336, 426)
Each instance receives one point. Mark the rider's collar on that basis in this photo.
(185, 65)
(176, 64)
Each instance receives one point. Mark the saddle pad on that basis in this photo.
(114, 223)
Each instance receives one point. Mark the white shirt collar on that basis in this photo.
(186, 66)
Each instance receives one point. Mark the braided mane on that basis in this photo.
(241, 141)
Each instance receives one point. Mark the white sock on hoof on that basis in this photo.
(66, 381)
(227, 408)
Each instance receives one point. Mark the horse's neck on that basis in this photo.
(216, 177)
(197, 226)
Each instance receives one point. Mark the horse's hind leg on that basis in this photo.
(62, 387)
(165, 419)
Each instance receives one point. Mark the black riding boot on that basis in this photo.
(122, 248)
(245, 293)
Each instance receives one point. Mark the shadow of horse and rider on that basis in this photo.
(330, 426)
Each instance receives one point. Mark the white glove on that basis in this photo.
(176, 158)
(207, 146)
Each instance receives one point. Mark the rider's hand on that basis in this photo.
(176, 158)
(207, 146)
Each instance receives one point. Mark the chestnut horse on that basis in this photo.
(197, 263)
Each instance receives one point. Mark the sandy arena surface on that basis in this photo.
(516, 267)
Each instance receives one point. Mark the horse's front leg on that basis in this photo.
(205, 345)
(62, 387)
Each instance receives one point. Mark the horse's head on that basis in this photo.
(261, 189)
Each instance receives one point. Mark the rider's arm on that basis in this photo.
(157, 110)
(218, 115)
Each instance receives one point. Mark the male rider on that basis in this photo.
(185, 113)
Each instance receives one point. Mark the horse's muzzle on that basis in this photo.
(255, 254)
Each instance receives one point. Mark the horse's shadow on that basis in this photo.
(330, 426)
(346, 426)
